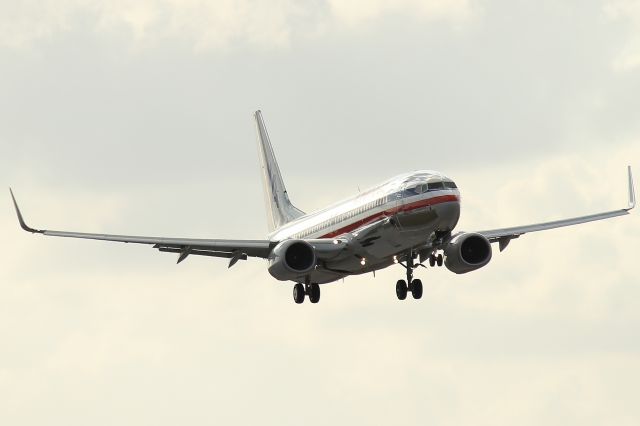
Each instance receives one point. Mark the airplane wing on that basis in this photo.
(505, 235)
(230, 249)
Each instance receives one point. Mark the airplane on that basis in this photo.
(407, 220)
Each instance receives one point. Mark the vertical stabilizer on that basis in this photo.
(279, 208)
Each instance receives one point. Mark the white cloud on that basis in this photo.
(358, 11)
(22, 23)
(627, 11)
(207, 24)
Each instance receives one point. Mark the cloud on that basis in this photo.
(207, 24)
(628, 12)
(357, 12)
(204, 24)
(22, 23)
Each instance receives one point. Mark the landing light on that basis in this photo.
(363, 261)
(395, 259)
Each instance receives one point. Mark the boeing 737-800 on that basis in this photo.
(408, 220)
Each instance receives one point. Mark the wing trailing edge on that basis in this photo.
(230, 249)
(505, 235)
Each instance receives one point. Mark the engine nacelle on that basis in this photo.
(467, 252)
(292, 259)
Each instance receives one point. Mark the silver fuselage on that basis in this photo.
(412, 220)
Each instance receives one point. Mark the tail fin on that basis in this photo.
(279, 208)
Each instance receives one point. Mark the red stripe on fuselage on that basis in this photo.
(390, 212)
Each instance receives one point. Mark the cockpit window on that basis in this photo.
(414, 190)
(436, 185)
(423, 184)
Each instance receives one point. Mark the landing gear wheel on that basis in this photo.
(314, 293)
(298, 293)
(401, 289)
(439, 259)
(416, 289)
(432, 261)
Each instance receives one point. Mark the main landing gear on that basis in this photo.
(433, 260)
(301, 290)
(414, 285)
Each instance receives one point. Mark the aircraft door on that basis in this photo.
(397, 204)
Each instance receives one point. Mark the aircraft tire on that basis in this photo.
(401, 289)
(432, 261)
(314, 293)
(439, 259)
(298, 293)
(416, 289)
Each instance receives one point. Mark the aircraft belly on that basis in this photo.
(441, 217)
(415, 219)
(323, 276)
(334, 272)
(378, 245)
(415, 228)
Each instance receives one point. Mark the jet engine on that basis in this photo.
(467, 252)
(292, 259)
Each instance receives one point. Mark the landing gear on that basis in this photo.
(298, 293)
(401, 289)
(416, 289)
(301, 290)
(314, 293)
(410, 285)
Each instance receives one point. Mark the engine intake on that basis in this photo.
(292, 259)
(467, 252)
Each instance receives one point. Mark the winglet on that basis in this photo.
(20, 218)
(632, 191)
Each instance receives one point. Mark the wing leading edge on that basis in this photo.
(231, 249)
(505, 235)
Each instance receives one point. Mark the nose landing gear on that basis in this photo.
(401, 289)
(414, 285)
(410, 285)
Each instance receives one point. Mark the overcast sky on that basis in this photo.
(135, 117)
